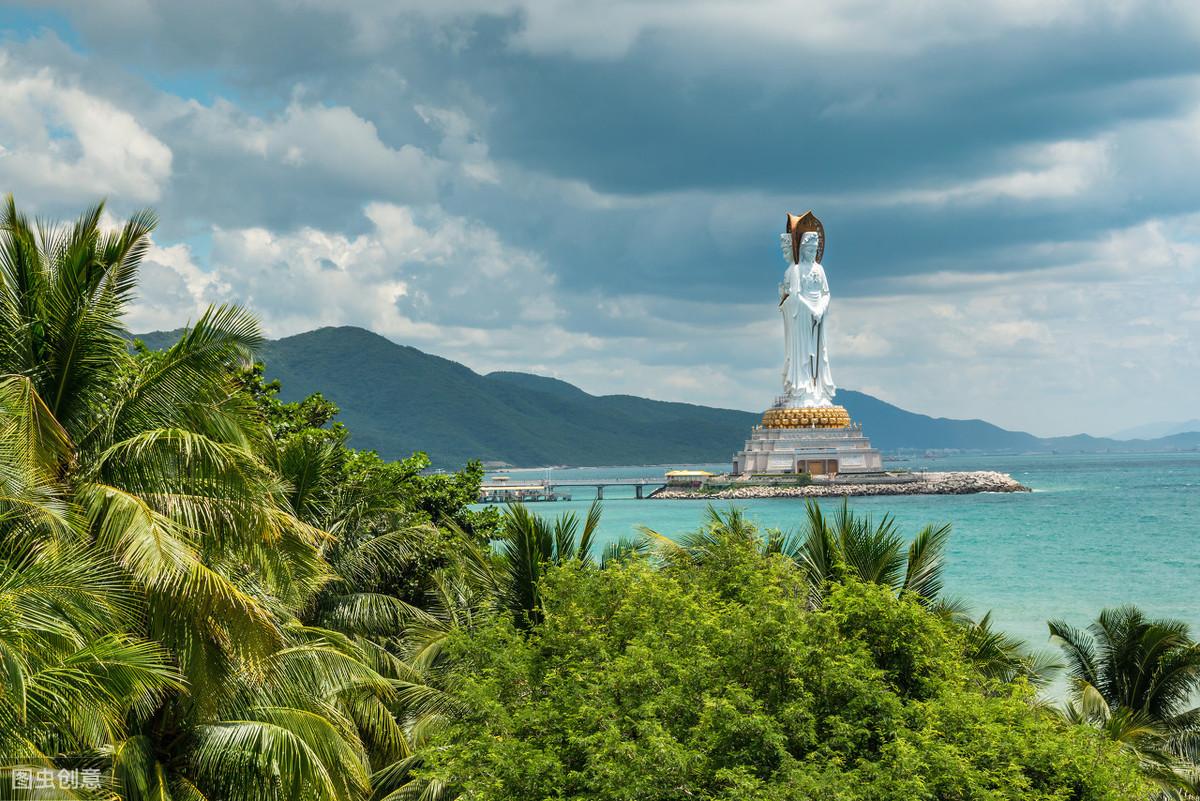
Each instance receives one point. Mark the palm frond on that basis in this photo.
(926, 558)
(297, 750)
(624, 550)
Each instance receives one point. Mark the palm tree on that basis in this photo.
(1006, 658)
(140, 471)
(463, 594)
(69, 675)
(857, 546)
(529, 544)
(717, 530)
(33, 500)
(1136, 679)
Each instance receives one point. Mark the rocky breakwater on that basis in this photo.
(962, 483)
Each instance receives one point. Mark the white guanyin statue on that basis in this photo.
(804, 431)
(804, 302)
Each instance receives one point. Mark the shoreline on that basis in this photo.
(948, 483)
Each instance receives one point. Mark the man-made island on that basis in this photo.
(806, 445)
(694, 483)
(743, 487)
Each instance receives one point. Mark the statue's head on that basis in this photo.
(802, 229)
(810, 242)
(785, 245)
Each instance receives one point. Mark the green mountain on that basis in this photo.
(397, 399)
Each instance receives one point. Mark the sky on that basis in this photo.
(594, 191)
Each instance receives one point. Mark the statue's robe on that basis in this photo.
(807, 380)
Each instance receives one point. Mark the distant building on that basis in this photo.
(687, 478)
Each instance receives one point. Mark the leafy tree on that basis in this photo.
(664, 684)
(312, 415)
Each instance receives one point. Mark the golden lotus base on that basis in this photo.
(821, 417)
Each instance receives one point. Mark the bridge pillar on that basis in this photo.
(599, 492)
(639, 491)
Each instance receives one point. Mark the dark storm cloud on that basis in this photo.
(253, 46)
(638, 126)
(642, 126)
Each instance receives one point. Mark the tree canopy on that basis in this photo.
(713, 679)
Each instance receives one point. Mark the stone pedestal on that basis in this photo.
(816, 440)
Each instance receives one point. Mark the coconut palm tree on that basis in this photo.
(1136, 663)
(70, 671)
(462, 595)
(717, 529)
(529, 543)
(1001, 656)
(849, 544)
(1136, 679)
(141, 471)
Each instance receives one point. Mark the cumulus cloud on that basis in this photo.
(172, 290)
(311, 162)
(416, 273)
(462, 143)
(57, 139)
(323, 141)
(1056, 170)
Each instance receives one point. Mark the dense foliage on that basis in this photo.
(712, 679)
(206, 595)
(197, 585)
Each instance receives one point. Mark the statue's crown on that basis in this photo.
(798, 226)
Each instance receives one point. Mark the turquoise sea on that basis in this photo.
(1098, 530)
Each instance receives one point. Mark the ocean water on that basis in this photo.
(1098, 530)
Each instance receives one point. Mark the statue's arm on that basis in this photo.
(821, 306)
(823, 301)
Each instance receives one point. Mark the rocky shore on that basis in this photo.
(912, 484)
